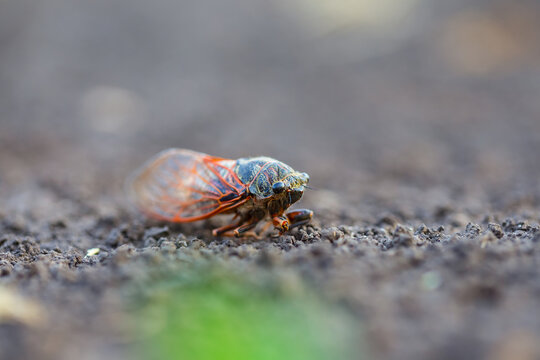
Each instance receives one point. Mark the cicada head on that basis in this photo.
(291, 187)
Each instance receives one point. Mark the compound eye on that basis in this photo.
(305, 177)
(278, 187)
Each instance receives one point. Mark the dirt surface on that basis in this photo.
(422, 149)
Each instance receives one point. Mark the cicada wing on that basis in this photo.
(183, 185)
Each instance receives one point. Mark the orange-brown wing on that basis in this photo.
(182, 185)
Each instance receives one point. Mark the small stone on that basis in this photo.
(92, 252)
(496, 230)
(403, 236)
(303, 235)
(156, 232)
(332, 234)
(181, 241)
(124, 252)
(473, 230)
(167, 247)
(422, 229)
(196, 244)
(115, 238)
(150, 242)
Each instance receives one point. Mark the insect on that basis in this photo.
(181, 185)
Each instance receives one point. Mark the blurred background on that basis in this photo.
(417, 89)
(403, 112)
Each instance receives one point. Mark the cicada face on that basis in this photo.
(291, 187)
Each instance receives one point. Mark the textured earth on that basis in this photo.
(421, 139)
(432, 272)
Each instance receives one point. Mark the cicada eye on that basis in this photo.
(305, 177)
(278, 187)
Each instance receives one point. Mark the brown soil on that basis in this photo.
(425, 166)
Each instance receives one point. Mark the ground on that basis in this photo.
(423, 155)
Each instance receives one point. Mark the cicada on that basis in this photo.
(181, 185)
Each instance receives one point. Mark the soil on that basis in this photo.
(425, 169)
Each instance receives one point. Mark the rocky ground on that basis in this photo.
(420, 130)
(428, 272)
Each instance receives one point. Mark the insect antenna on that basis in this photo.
(310, 188)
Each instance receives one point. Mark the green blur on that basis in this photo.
(226, 316)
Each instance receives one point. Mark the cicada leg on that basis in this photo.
(241, 228)
(299, 217)
(243, 231)
(224, 229)
(281, 223)
(291, 220)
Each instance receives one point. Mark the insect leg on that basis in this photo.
(241, 230)
(224, 229)
(299, 217)
(244, 230)
(281, 223)
(247, 223)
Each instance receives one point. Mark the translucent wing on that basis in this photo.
(183, 185)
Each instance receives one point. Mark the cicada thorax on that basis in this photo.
(260, 174)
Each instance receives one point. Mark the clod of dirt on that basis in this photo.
(156, 232)
(496, 230)
(404, 236)
(331, 234)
